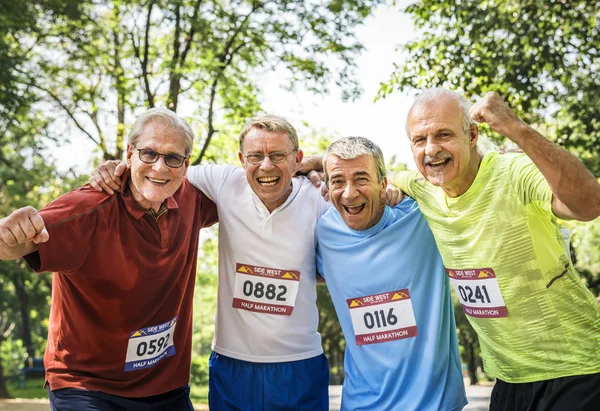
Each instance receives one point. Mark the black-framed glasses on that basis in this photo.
(150, 156)
(275, 156)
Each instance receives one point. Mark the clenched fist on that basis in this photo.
(496, 113)
(19, 229)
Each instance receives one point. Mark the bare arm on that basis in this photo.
(21, 232)
(576, 193)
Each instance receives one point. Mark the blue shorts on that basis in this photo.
(74, 399)
(248, 386)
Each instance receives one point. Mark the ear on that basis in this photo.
(186, 164)
(129, 154)
(384, 184)
(299, 157)
(474, 135)
(242, 159)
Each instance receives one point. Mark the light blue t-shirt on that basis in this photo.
(392, 298)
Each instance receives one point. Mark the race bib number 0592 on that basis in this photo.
(148, 346)
(478, 292)
(265, 290)
(382, 317)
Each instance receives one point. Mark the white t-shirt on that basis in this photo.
(266, 308)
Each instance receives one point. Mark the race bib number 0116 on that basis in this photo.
(150, 345)
(382, 317)
(478, 292)
(265, 290)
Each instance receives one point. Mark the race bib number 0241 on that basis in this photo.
(148, 346)
(265, 290)
(382, 317)
(478, 292)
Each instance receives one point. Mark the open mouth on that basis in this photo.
(268, 181)
(437, 164)
(157, 181)
(353, 210)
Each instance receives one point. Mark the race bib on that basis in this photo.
(382, 317)
(265, 290)
(150, 345)
(478, 292)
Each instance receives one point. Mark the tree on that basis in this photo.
(195, 57)
(541, 56)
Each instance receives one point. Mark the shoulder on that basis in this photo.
(79, 202)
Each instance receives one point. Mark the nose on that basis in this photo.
(432, 148)
(349, 191)
(160, 164)
(266, 164)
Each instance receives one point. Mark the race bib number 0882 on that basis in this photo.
(265, 290)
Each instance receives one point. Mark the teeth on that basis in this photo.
(268, 181)
(437, 163)
(354, 209)
(157, 181)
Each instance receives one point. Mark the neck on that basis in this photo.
(271, 206)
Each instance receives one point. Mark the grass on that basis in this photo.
(198, 394)
(34, 389)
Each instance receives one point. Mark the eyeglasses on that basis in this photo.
(275, 157)
(149, 156)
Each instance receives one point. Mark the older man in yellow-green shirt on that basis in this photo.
(494, 220)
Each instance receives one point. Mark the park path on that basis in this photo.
(479, 400)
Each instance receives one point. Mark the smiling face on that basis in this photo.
(355, 191)
(443, 152)
(272, 182)
(152, 184)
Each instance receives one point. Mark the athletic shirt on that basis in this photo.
(122, 290)
(508, 263)
(266, 306)
(393, 301)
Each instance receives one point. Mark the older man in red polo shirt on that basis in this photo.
(124, 269)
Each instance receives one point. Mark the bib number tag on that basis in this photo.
(265, 290)
(150, 345)
(478, 292)
(382, 317)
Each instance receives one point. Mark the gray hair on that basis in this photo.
(484, 145)
(272, 123)
(349, 148)
(165, 118)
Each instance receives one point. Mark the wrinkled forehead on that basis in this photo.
(163, 139)
(433, 115)
(362, 165)
(258, 138)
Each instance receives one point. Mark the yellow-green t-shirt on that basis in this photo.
(508, 262)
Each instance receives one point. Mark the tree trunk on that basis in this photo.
(23, 297)
(3, 390)
(472, 366)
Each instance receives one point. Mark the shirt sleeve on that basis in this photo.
(529, 183)
(319, 262)
(71, 226)
(209, 215)
(209, 178)
(404, 180)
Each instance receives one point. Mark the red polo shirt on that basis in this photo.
(123, 283)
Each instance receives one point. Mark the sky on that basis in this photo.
(382, 121)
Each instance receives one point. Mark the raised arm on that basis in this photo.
(576, 193)
(21, 232)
